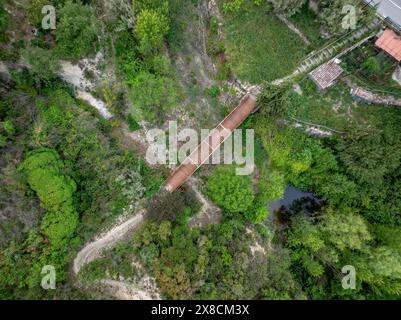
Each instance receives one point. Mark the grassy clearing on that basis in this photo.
(259, 46)
(336, 109)
(307, 22)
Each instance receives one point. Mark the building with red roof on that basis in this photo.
(390, 42)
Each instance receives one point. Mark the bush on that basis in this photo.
(34, 9)
(152, 96)
(232, 6)
(44, 64)
(274, 100)
(258, 212)
(161, 6)
(76, 32)
(272, 185)
(151, 27)
(213, 91)
(3, 21)
(55, 191)
(168, 206)
(371, 65)
(230, 191)
(132, 124)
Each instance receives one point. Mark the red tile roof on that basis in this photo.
(390, 42)
(325, 75)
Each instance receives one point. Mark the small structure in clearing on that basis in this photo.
(390, 42)
(326, 75)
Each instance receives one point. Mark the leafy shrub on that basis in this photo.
(151, 27)
(152, 96)
(3, 21)
(232, 6)
(161, 6)
(272, 185)
(44, 64)
(76, 32)
(371, 65)
(55, 191)
(213, 91)
(274, 100)
(34, 9)
(168, 206)
(230, 191)
(132, 124)
(258, 212)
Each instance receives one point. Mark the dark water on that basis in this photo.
(291, 197)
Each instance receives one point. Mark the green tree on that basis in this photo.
(55, 191)
(380, 269)
(274, 100)
(306, 241)
(21, 263)
(151, 28)
(258, 212)
(381, 154)
(76, 32)
(371, 65)
(332, 14)
(272, 185)
(346, 230)
(152, 96)
(337, 189)
(230, 191)
(43, 63)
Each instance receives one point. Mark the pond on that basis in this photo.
(293, 197)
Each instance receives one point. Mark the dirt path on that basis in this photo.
(144, 288)
(293, 28)
(94, 249)
(209, 213)
(124, 291)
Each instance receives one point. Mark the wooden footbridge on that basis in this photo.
(212, 142)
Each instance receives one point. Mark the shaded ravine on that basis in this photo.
(74, 75)
(94, 249)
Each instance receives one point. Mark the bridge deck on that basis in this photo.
(213, 141)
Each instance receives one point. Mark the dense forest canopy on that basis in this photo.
(69, 174)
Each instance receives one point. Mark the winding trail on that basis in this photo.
(144, 288)
(94, 249)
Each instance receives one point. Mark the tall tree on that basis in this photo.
(230, 191)
(341, 16)
(76, 32)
